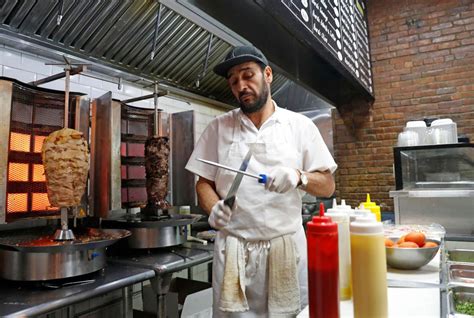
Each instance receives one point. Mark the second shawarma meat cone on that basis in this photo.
(66, 164)
(157, 151)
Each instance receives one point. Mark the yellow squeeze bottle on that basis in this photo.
(373, 207)
(369, 268)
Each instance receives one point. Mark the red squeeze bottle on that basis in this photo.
(323, 266)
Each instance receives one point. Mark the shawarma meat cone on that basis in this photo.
(65, 157)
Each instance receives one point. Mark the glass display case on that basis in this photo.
(435, 166)
(435, 184)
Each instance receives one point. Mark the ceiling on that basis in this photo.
(118, 35)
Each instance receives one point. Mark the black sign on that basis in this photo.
(341, 27)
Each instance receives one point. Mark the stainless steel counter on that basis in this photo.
(29, 299)
(166, 260)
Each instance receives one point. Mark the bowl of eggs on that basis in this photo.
(410, 251)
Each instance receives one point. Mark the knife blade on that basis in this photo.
(230, 197)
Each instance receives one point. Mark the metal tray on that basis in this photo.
(12, 240)
(173, 220)
(461, 273)
(458, 294)
(461, 255)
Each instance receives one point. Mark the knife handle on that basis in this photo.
(230, 201)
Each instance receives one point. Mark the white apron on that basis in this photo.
(260, 216)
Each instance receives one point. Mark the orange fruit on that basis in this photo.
(389, 242)
(408, 245)
(401, 239)
(430, 244)
(416, 237)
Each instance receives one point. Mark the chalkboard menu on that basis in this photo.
(339, 25)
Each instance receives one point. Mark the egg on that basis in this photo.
(430, 244)
(416, 237)
(401, 239)
(389, 242)
(408, 245)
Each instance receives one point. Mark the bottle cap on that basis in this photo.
(321, 223)
(366, 224)
(338, 216)
(367, 202)
(344, 206)
(372, 206)
(364, 213)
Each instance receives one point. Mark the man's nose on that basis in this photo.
(241, 86)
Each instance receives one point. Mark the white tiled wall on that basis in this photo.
(26, 67)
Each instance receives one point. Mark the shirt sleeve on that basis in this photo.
(316, 155)
(205, 148)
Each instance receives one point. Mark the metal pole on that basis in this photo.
(155, 33)
(161, 306)
(127, 296)
(73, 71)
(155, 103)
(66, 101)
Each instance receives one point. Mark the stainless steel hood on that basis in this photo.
(116, 36)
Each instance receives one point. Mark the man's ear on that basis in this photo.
(268, 73)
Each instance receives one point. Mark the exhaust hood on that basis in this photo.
(116, 38)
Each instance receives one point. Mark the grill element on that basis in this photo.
(33, 116)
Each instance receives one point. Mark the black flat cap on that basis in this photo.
(239, 55)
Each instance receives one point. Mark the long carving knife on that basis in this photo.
(230, 197)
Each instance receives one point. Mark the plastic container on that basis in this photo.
(419, 127)
(369, 268)
(408, 139)
(373, 207)
(444, 131)
(341, 217)
(323, 266)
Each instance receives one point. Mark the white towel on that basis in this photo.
(283, 285)
(233, 297)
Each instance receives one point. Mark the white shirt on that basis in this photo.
(285, 139)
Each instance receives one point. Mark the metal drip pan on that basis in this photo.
(32, 255)
(150, 232)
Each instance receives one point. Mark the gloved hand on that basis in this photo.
(220, 214)
(282, 179)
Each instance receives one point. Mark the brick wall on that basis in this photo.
(423, 66)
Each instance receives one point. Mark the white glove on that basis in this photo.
(220, 214)
(282, 179)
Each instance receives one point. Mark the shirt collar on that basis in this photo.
(277, 116)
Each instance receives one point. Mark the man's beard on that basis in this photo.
(249, 108)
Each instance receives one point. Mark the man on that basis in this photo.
(259, 267)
